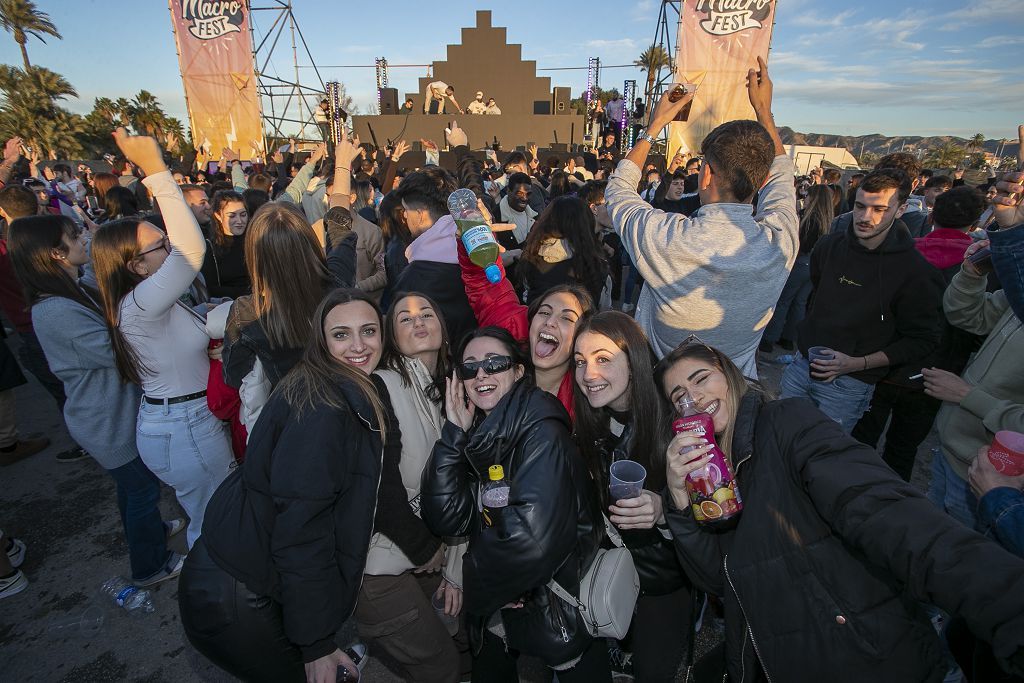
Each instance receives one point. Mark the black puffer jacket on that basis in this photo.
(654, 555)
(822, 577)
(294, 522)
(550, 524)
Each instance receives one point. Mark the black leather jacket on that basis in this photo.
(549, 528)
(654, 555)
(823, 576)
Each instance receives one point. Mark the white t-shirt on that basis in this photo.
(438, 90)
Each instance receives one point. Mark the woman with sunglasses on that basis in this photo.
(548, 325)
(551, 527)
(832, 553)
(100, 410)
(159, 343)
(277, 570)
(404, 558)
(620, 416)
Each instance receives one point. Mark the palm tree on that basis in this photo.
(652, 60)
(149, 117)
(22, 19)
(105, 108)
(976, 142)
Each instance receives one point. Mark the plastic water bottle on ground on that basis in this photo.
(476, 235)
(121, 591)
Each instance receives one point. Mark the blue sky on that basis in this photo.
(939, 67)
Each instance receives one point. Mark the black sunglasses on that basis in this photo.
(492, 365)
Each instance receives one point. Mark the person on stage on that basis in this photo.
(438, 92)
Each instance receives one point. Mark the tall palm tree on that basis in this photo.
(652, 60)
(976, 142)
(149, 117)
(22, 19)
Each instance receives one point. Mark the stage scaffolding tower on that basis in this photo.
(593, 86)
(669, 18)
(284, 101)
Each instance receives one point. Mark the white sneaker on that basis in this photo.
(13, 585)
(16, 553)
(170, 570)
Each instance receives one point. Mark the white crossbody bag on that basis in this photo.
(608, 590)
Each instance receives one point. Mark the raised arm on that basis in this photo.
(158, 292)
(293, 193)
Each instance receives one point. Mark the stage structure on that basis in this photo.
(215, 56)
(484, 61)
(718, 42)
(593, 84)
(288, 104)
(626, 137)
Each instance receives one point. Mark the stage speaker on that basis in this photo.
(542, 107)
(388, 100)
(561, 99)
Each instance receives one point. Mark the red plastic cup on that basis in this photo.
(1007, 453)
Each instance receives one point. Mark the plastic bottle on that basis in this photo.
(126, 595)
(85, 624)
(476, 235)
(494, 496)
(714, 495)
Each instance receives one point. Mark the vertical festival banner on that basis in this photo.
(215, 54)
(718, 41)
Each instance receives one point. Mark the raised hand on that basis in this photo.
(455, 408)
(346, 151)
(759, 87)
(319, 153)
(12, 150)
(141, 150)
(456, 136)
(1007, 206)
(666, 110)
(428, 145)
(401, 147)
(228, 155)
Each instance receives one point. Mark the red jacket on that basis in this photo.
(498, 305)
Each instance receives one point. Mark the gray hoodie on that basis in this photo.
(717, 274)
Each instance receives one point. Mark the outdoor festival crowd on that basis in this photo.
(305, 352)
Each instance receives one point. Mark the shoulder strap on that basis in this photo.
(613, 534)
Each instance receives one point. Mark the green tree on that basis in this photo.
(652, 61)
(949, 155)
(21, 19)
(29, 108)
(976, 142)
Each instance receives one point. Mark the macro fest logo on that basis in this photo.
(209, 19)
(732, 16)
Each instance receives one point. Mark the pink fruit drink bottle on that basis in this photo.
(714, 494)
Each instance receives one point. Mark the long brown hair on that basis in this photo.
(32, 241)
(819, 210)
(114, 247)
(649, 415)
(219, 235)
(101, 183)
(393, 359)
(314, 379)
(288, 271)
(734, 379)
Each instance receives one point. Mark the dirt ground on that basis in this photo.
(67, 515)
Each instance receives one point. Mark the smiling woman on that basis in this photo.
(224, 266)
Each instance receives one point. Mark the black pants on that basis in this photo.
(494, 664)
(913, 413)
(659, 635)
(238, 631)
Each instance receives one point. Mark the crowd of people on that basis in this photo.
(304, 351)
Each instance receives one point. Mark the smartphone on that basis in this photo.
(92, 202)
(982, 260)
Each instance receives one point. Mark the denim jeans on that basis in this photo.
(951, 493)
(1008, 261)
(844, 399)
(188, 449)
(138, 495)
(792, 305)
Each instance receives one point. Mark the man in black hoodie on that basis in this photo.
(876, 303)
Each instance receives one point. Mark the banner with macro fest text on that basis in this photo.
(215, 54)
(718, 41)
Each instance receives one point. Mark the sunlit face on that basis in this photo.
(485, 391)
(692, 166)
(153, 249)
(675, 189)
(418, 220)
(930, 193)
(874, 212)
(417, 327)
(179, 178)
(233, 218)
(601, 215)
(602, 371)
(706, 384)
(552, 330)
(200, 205)
(76, 253)
(352, 332)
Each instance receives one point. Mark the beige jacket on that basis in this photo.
(370, 275)
(995, 372)
(420, 421)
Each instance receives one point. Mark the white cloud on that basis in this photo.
(610, 45)
(999, 41)
(985, 10)
(814, 20)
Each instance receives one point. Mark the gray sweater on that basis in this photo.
(101, 410)
(717, 274)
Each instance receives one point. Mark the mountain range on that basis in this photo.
(876, 143)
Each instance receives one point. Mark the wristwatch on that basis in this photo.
(648, 138)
